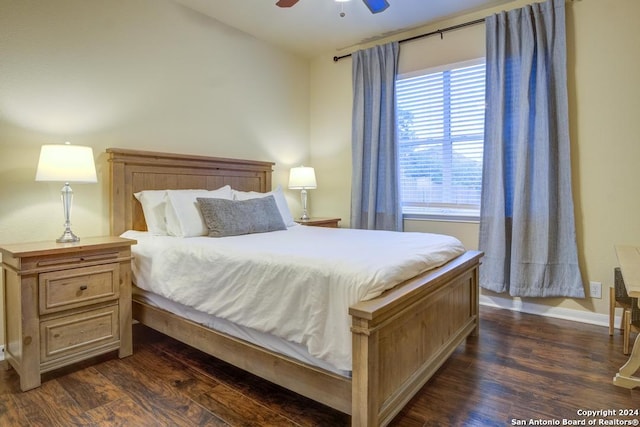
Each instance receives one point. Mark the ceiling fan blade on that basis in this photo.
(286, 3)
(376, 6)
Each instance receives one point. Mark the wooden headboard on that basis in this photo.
(132, 171)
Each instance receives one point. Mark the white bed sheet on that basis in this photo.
(296, 284)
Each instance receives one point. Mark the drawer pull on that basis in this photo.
(83, 287)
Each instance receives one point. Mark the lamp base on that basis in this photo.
(68, 237)
(303, 196)
(67, 198)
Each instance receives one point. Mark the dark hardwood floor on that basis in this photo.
(520, 368)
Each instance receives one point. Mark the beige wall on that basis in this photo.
(603, 69)
(144, 74)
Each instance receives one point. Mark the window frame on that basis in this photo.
(440, 216)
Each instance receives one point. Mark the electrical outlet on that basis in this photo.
(595, 289)
(517, 304)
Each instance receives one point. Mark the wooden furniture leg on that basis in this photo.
(624, 377)
(626, 321)
(612, 309)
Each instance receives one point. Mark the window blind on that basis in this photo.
(440, 118)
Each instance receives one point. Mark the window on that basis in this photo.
(440, 118)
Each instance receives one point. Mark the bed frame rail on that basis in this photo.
(331, 389)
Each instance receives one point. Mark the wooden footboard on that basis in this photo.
(403, 337)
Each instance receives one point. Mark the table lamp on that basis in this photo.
(302, 178)
(66, 163)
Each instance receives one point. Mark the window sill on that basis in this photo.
(441, 218)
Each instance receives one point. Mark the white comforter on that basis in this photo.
(297, 283)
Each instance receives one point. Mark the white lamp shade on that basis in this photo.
(66, 163)
(302, 177)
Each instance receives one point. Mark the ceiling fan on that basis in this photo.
(375, 6)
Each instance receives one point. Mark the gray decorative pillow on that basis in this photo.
(235, 217)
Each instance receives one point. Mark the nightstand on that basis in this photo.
(320, 222)
(65, 302)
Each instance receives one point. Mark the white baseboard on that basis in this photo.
(544, 310)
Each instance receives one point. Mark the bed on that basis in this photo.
(399, 339)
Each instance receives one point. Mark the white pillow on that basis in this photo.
(183, 214)
(281, 202)
(153, 207)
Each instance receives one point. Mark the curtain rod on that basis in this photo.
(432, 33)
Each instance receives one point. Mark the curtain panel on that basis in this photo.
(375, 201)
(527, 228)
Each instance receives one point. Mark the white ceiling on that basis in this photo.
(314, 27)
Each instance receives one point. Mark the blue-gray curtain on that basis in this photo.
(375, 201)
(527, 228)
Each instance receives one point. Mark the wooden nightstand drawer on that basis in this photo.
(75, 334)
(71, 261)
(77, 287)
